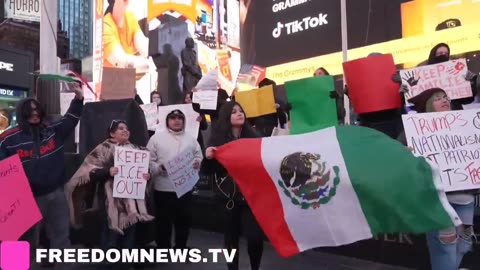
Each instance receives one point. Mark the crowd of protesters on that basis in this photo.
(62, 201)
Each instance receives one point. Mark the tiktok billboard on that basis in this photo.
(303, 28)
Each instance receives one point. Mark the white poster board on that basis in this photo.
(192, 125)
(449, 76)
(452, 141)
(181, 172)
(206, 99)
(151, 114)
(472, 106)
(131, 164)
(208, 82)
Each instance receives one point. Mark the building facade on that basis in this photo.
(76, 20)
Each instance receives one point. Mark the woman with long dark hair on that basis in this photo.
(232, 125)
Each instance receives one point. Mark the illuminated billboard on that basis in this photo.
(407, 29)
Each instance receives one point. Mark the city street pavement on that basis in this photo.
(310, 260)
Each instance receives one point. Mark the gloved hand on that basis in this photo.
(471, 76)
(396, 77)
(334, 94)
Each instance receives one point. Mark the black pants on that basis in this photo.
(172, 211)
(240, 220)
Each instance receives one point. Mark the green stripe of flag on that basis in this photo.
(408, 181)
(56, 77)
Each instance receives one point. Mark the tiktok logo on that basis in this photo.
(300, 25)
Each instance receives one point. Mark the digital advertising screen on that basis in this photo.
(124, 31)
(294, 38)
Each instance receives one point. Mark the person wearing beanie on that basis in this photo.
(171, 210)
(447, 247)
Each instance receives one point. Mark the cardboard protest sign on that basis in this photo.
(181, 172)
(450, 140)
(257, 102)
(206, 99)
(312, 106)
(118, 83)
(18, 208)
(151, 114)
(191, 125)
(449, 76)
(370, 85)
(131, 164)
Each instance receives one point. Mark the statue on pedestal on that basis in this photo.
(191, 71)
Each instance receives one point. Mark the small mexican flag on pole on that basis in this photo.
(69, 77)
(336, 186)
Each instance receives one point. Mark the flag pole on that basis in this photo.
(343, 14)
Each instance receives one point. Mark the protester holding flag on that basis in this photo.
(93, 181)
(447, 247)
(171, 210)
(40, 147)
(440, 53)
(232, 125)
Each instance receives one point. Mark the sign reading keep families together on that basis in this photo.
(452, 141)
(449, 76)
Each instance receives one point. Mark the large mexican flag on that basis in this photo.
(336, 186)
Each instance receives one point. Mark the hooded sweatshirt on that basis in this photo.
(40, 147)
(433, 59)
(166, 145)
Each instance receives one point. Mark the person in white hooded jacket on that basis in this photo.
(171, 210)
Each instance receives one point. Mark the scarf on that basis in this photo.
(84, 195)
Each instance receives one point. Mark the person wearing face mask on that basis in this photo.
(39, 146)
(156, 98)
(441, 53)
(447, 247)
(232, 124)
(172, 211)
(94, 180)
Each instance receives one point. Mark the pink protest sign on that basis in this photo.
(18, 209)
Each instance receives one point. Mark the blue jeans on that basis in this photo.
(447, 247)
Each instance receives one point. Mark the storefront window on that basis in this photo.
(8, 101)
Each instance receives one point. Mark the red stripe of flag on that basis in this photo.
(260, 191)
